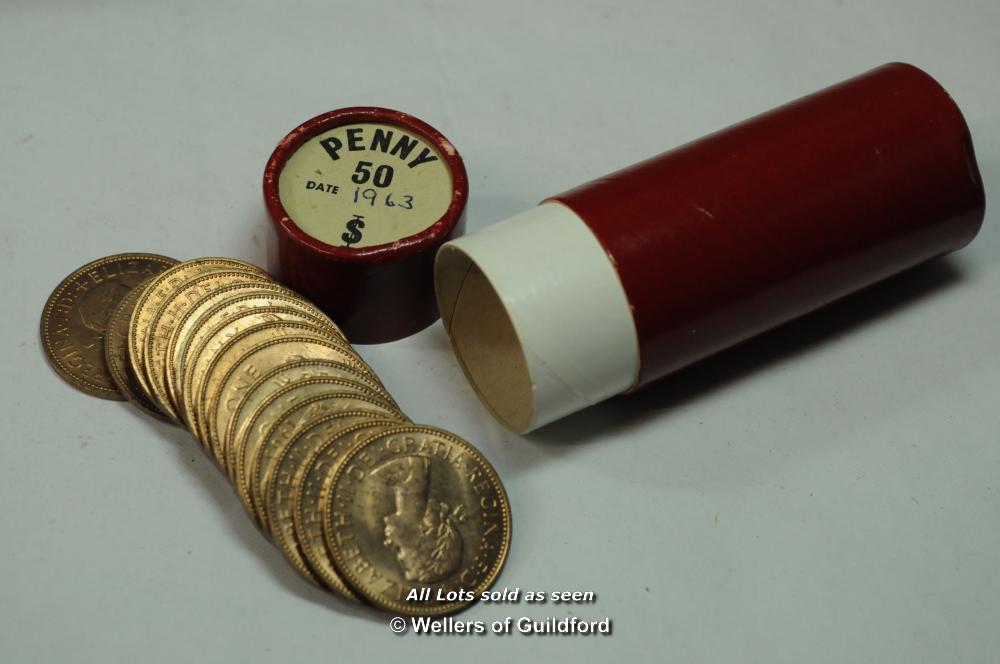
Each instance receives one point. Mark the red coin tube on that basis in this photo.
(361, 199)
(611, 285)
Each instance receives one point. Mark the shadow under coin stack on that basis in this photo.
(360, 500)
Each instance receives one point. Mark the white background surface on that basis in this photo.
(829, 492)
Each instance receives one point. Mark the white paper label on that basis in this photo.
(365, 184)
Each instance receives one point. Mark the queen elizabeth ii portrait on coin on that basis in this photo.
(422, 532)
(96, 306)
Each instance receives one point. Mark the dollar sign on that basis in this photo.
(353, 233)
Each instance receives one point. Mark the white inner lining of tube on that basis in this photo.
(537, 316)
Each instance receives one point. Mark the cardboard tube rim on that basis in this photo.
(572, 338)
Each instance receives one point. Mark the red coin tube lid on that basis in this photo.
(361, 199)
(613, 284)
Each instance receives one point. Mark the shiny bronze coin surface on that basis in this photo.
(279, 419)
(246, 395)
(228, 362)
(201, 360)
(154, 295)
(279, 491)
(359, 500)
(167, 316)
(76, 317)
(287, 425)
(249, 421)
(204, 315)
(209, 311)
(331, 440)
(116, 355)
(416, 507)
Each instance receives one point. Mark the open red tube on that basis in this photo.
(642, 272)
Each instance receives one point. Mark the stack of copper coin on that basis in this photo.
(360, 500)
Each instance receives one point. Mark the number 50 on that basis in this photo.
(382, 177)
